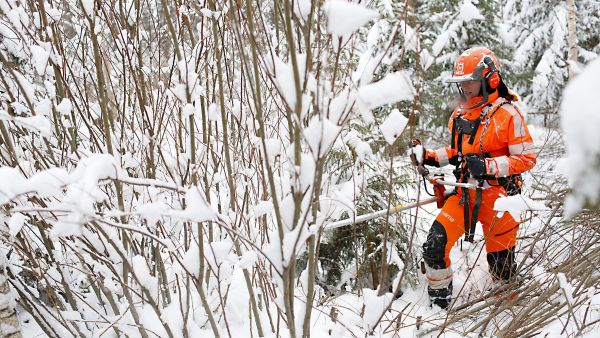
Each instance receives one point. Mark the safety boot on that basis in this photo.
(441, 297)
(440, 285)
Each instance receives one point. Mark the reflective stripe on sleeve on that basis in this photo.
(521, 148)
(503, 165)
(518, 120)
(442, 156)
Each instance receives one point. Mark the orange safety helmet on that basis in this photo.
(477, 63)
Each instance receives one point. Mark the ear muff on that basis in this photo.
(492, 78)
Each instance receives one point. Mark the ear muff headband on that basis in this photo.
(492, 78)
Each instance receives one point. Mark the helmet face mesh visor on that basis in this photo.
(474, 102)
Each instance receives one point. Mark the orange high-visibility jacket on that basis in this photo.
(506, 140)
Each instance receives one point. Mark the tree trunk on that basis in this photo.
(572, 37)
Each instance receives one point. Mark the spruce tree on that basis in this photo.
(539, 30)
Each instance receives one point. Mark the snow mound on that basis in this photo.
(517, 204)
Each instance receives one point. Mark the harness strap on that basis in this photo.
(464, 201)
(452, 142)
(475, 128)
(470, 231)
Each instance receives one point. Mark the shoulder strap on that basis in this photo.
(477, 122)
(488, 113)
(452, 142)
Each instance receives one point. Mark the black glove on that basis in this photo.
(476, 165)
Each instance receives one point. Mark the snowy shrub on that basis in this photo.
(580, 118)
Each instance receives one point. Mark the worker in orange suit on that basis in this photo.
(490, 147)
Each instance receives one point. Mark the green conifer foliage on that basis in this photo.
(539, 30)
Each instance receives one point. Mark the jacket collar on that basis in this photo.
(473, 114)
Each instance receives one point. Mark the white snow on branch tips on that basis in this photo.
(261, 208)
(210, 14)
(15, 224)
(468, 12)
(213, 114)
(11, 184)
(393, 88)
(580, 118)
(152, 212)
(140, 269)
(320, 135)
(363, 149)
(284, 77)
(43, 107)
(366, 67)
(302, 8)
(197, 209)
(40, 58)
(343, 17)
(517, 204)
(45, 183)
(11, 41)
(440, 42)
(566, 286)
(340, 106)
(85, 191)
(26, 85)
(65, 107)
(218, 253)
(410, 37)
(248, 259)
(187, 110)
(393, 126)
(49, 182)
(274, 149)
(88, 7)
(38, 124)
(191, 260)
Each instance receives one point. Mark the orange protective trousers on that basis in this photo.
(500, 233)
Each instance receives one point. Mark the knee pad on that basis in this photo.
(434, 249)
(502, 264)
